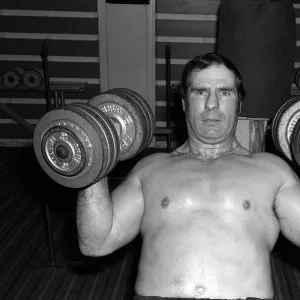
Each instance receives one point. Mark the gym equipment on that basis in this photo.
(33, 78)
(286, 129)
(297, 78)
(78, 144)
(12, 78)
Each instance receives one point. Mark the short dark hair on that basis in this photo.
(205, 61)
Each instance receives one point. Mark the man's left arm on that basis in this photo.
(287, 206)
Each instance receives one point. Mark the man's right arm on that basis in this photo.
(107, 222)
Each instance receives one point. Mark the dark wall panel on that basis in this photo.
(90, 91)
(48, 25)
(186, 28)
(56, 5)
(176, 71)
(26, 111)
(14, 131)
(184, 50)
(55, 47)
(187, 6)
(58, 69)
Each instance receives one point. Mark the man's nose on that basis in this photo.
(212, 102)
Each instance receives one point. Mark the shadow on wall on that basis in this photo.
(178, 118)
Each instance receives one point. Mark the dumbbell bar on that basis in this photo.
(79, 144)
(286, 129)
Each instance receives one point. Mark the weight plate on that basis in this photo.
(276, 120)
(139, 111)
(113, 136)
(83, 131)
(126, 119)
(146, 109)
(32, 79)
(61, 147)
(297, 78)
(19, 70)
(104, 137)
(295, 143)
(284, 124)
(11, 79)
(109, 136)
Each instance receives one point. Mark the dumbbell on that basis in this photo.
(78, 144)
(285, 129)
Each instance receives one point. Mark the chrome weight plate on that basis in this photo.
(295, 143)
(83, 132)
(112, 134)
(146, 110)
(63, 151)
(283, 125)
(139, 111)
(107, 134)
(102, 136)
(276, 121)
(126, 119)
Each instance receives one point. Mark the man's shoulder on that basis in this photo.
(268, 158)
(273, 162)
(149, 162)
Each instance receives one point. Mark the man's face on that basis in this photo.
(211, 105)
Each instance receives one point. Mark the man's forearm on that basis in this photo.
(94, 217)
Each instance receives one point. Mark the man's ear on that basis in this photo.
(240, 107)
(183, 104)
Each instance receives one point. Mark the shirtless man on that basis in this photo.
(209, 213)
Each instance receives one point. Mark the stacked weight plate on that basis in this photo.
(132, 117)
(33, 78)
(76, 145)
(295, 143)
(144, 108)
(12, 78)
(283, 126)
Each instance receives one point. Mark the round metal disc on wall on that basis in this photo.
(32, 79)
(12, 78)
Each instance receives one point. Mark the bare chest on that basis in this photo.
(224, 185)
(205, 195)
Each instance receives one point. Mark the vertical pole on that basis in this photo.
(46, 205)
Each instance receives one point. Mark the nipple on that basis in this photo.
(165, 202)
(246, 204)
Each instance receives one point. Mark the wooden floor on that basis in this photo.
(26, 271)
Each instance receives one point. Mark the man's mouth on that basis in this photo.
(212, 120)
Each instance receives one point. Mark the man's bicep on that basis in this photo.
(287, 207)
(128, 211)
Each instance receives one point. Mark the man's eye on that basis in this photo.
(201, 93)
(225, 93)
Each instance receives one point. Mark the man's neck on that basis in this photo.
(210, 150)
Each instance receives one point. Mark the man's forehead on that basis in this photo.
(214, 74)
